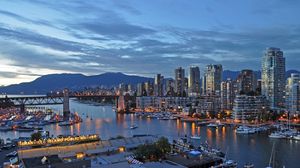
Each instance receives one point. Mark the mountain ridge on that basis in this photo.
(55, 82)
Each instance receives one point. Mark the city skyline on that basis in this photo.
(141, 38)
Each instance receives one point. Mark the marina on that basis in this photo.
(107, 123)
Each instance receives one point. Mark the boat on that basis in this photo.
(133, 126)
(5, 128)
(272, 157)
(297, 137)
(212, 125)
(24, 129)
(66, 123)
(245, 130)
(249, 165)
(277, 135)
(195, 137)
(230, 163)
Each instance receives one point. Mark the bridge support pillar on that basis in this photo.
(66, 105)
(22, 108)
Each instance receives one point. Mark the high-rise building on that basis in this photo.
(194, 81)
(158, 85)
(293, 93)
(169, 87)
(246, 81)
(273, 77)
(149, 89)
(179, 82)
(213, 79)
(228, 93)
(140, 89)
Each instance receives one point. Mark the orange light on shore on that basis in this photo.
(55, 141)
(122, 149)
(80, 155)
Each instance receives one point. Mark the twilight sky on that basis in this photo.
(142, 37)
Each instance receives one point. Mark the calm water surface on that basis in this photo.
(242, 148)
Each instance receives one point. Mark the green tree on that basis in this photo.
(164, 145)
(153, 152)
(36, 136)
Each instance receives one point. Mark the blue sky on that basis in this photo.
(142, 37)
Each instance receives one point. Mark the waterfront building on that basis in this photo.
(209, 105)
(249, 108)
(293, 93)
(154, 103)
(228, 92)
(180, 82)
(246, 81)
(212, 79)
(158, 85)
(194, 81)
(273, 77)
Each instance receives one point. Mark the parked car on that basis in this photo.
(12, 154)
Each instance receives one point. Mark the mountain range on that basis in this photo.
(54, 82)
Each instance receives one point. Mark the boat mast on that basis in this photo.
(272, 157)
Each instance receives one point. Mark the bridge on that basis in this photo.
(52, 99)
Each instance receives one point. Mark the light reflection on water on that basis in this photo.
(243, 148)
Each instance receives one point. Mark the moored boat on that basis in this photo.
(277, 135)
(297, 137)
(195, 137)
(133, 126)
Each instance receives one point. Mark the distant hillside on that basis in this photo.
(54, 82)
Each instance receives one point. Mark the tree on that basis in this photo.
(154, 151)
(36, 136)
(164, 145)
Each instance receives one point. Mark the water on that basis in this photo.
(242, 148)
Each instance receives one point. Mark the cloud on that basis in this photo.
(114, 30)
(102, 40)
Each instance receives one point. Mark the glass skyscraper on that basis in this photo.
(273, 77)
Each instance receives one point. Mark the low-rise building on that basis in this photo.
(249, 108)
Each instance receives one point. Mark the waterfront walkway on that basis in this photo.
(101, 146)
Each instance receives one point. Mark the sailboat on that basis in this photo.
(272, 157)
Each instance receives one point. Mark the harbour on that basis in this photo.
(102, 120)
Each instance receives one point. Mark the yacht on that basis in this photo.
(245, 130)
(133, 126)
(249, 165)
(297, 137)
(212, 125)
(66, 123)
(277, 135)
(195, 137)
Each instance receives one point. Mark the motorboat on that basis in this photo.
(212, 125)
(249, 165)
(297, 137)
(195, 137)
(245, 130)
(277, 135)
(66, 123)
(133, 126)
